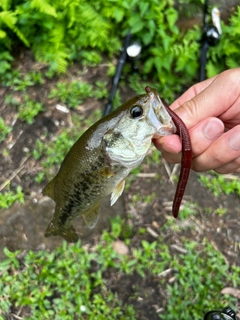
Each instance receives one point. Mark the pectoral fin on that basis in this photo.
(117, 192)
(91, 215)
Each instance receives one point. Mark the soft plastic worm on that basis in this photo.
(182, 131)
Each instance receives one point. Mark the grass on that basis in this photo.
(10, 196)
(27, 108)
(4, 130)
(220, 184)
(21, 81)
(72, 282)
(73, 93)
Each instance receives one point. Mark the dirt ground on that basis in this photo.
(23, 226)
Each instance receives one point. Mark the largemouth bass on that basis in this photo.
(98, 163)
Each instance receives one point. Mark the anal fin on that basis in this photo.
(91, 215)
(118, 190)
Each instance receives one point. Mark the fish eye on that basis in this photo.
(136, 112)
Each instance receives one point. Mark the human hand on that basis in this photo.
(211, 112)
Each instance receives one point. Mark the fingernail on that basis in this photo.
(213, 129)
(234, 140)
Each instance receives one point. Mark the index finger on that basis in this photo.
(191, 93)
(217, 97)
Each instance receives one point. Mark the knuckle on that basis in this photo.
(197, 167)
(191, 111)
(233, 78)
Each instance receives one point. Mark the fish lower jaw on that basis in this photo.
(162, 132)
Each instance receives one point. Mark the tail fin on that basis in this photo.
(69, 234)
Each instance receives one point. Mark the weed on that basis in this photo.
(68, 287)
(221, 211)
(20, 82)
(72, 94)
(56, 151)
(40, 177)
(9, 197)
(188, 210)
(101, 90)
(195, 288)
(219, 184)
(72, 280)
(12, 100)
(29, 109)
(39, 149)
(4, 129)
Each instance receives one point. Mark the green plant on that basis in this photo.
(8, 197)
(12, 100)
(40, 177)
(4, 129)
(188, 210)
(218, 183)
(60, 285)
(73, 93)
(101, 90)
(225, 55)
(39, 149)
(5, 62)
(72, 282)
(29, 108)
(61, 31)
(58, 149)
(19, 82)
(199, 279)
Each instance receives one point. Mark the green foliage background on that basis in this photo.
(61, 31)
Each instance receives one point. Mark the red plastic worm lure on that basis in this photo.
(182, 131)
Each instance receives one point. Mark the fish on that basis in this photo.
(98, 163)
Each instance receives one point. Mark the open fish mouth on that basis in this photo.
(159, 116)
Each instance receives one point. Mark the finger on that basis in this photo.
(237, 170)
(214, 100)
(191, 93)
(222, 151)
(204, 133)
(170, 147)
(230, 167)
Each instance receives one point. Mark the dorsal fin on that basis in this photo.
(49, 189)
(91, 215)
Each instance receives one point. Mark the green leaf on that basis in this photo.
(3, 34)
(44, 7)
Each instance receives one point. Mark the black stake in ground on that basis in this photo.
(210, 37)
(120, 65)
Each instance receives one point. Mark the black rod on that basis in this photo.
(120, 65)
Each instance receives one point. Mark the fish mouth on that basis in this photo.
(159, 116)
